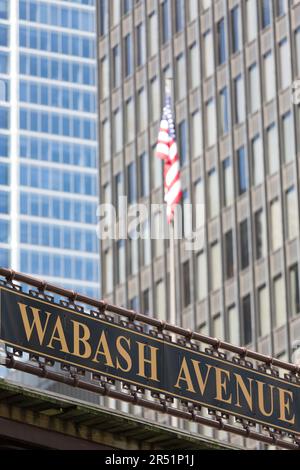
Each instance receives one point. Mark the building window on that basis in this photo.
(118, 131)
(182, 134)
(224, 111)
(222, 48)
(282, 7)
(247, 321)
(288, 135)
(254, 83)
(144, 175)
(217, 327)
(239, 100)
(229, 260)
(199, 212)
(119, 190)
(127, 6)
(294, 295)
(116, 66)
(133, 243)
(216, 266)
(131, 183)
(243, 180)
(104, 78)
(194, 54)
(236, 29)
(233, 325)
(208, 53)
(272, 149)
(105, 141)
(165, 15)
(115, 12)
(160, 301)
(192, 9)
(108, 271)
(213, 194)
(297, 47)
(181, 77)
(279, 302)
(146, 302)
(128, 55)
(129, 122)
(244, 244)
(146, 244)
(266, 13)
(276, 225)
(269, 76)
(142, 111)
(154, 99)
(140, 45)
(197, 140)
(228, 183)
(121, 257)
(201, 273)
(179, 15)
(285, 64)
(103, 17)
(260, 235)
(257, 161)
(211, 123)
(153, 34)
(291, 222)
(251, 12)
(264, 311)
(186, 284)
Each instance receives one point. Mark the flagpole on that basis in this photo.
(172, 300)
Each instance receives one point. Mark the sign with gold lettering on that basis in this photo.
(109, 349)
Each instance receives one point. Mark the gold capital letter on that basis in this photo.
(77, 326)
(61, 337)
(152, 361)
(105, 351)
(35, 323)
(240, 385)
(285, 399)
(261, 398)
(124, 354)
(221, 384)
(202, 384)
(185, 375)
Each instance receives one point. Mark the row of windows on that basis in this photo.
(4, 231)
(56, 15)
(56, 69)
(59, 43)
(57, 97)
(57, 180)
(4, 145)
(66, 267)
(57, 152)
(57, 124)
(36, 205)
(59, 237)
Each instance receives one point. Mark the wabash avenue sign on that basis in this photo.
(58, 333)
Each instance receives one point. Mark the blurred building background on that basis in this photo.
(233, 63)
(48, 141)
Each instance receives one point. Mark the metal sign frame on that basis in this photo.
(188, 343)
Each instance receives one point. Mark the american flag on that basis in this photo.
(167, 151)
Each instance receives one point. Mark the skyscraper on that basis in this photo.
(233, 64)
(48, 141)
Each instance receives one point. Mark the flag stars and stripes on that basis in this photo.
(167, 151)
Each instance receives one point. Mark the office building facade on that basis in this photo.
(233, 63)
(48, 141)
